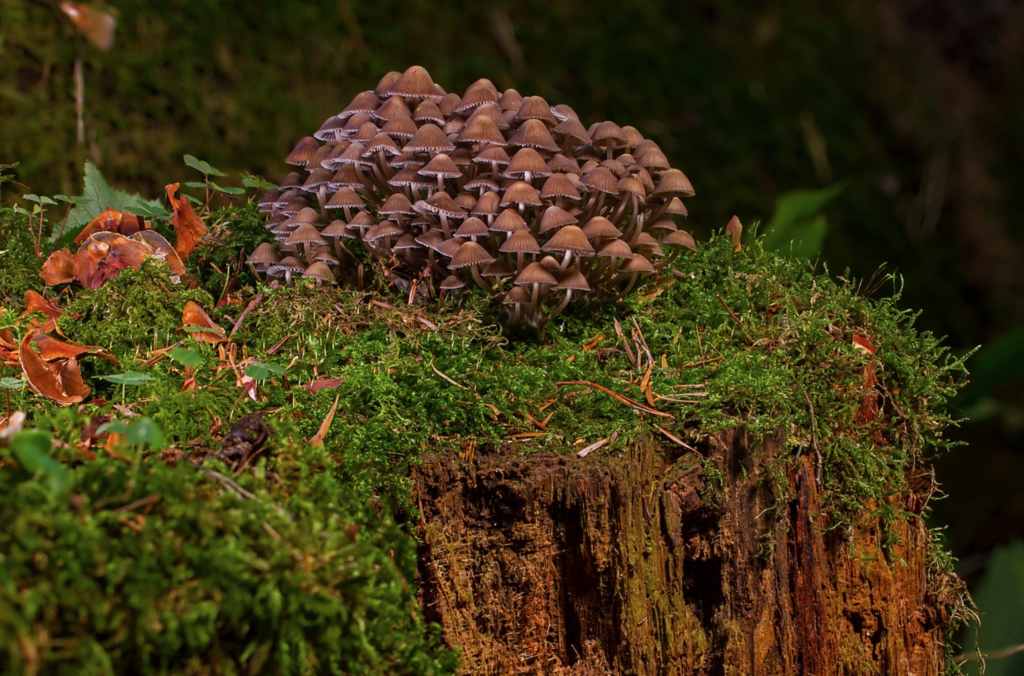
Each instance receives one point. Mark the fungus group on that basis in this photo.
(489, 189)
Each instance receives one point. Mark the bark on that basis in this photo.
(634, 564)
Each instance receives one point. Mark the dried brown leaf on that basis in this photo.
(59, 268)
(188, 227)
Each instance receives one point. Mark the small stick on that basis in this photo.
(731, 313)
(245, 313)
(675, 438)
(628, 402)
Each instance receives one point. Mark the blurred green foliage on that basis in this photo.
(999, 596)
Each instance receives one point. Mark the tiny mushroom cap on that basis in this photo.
(440, 203)
(472, 227)
(401, 128)
(475, 97)
(497, 269)
(573, 279)
(286, 264)
(521, 193)
(569, 238)
(607, 134)
(337, 228)
(599, 226)
(633, 136)
(415, 82)
(517, 294)
(535, 108)
(469, 254)
(492, 155)
(664, 223)
(345, 198)
(481, 129)
(431, 239)
(638, 264)
(325, 255)
(319, 271)
(564, 165)
(526, 163)
(409, 176)
(560, 185)
(465, 200)
(441, 166)
(450, 247)
(397, 204)
(306, 215)
(536, 273)
(653, 159)
(385, 83)
(382, 230)
(428, 112)
(676, 207)
(555, 217)
(381, 142)
(673, 183)
(492, 111)
(521, 241)
(482, 183)
(364, 102)
(330, 130)
(319, 177)
(406, 242)
(429, 139)
(600, 178)
(448, 104)
(452, 283)
(572, 129)
(393, 108)
(303, 152)
(510, 100)
(306, 234)
(509, 221)
(615, 248)
(534, 134)
(263, 256)
(487, 205)
(680, 238)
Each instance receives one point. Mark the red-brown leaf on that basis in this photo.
(60, 380)
(59, 268)
(34, 302)
(104, 255)
(196, 316)
(188, 227)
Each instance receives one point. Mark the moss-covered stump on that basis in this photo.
(556, 564)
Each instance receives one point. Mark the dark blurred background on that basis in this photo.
(912, 109)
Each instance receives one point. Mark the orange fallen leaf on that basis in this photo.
(323, 384)
(104, 255)
(118, 222)
(862, 344)
(34, 302)
(60, 380)
(59, 268)
(188, 227)
(194, 315)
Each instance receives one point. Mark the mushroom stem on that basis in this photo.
(444, 225)
(475, 270)
(565, 259)
(629, 287)
(561, 306)
(255, 273)
(321, 197)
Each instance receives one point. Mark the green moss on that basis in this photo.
(19, 266)
(304, 577)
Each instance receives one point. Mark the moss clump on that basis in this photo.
(131, 314)
(156, 568)
(19, 266)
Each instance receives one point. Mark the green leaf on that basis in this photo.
(146, 210)
(133, 378)
(1000, 599)
(98, 196)
(31, 448)
(197, 184)
(257, 372)
(253, 181)
(994, 366)
(798, 223)
(204, 167)
(145, 431)
(185, 356)
(113, 427)
(228, 190)
(9, 383)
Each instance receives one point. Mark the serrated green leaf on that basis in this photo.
(146, 211)
(204, 167)
(228, 189)
(9, 383)
(196, 184)
(185, 356)
(253, 181)
(97, 196)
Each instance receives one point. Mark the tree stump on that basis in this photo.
(643, 562)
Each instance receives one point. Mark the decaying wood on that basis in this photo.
(629, 563)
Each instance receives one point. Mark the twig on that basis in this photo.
(447, 378)
(629, 353)
(994, 655)
(675, 438)
(628, 402)
(731, 313)
(226, 482)
(245, 313)
(141, 502)
(584, 452)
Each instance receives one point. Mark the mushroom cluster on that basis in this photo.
(489, 189)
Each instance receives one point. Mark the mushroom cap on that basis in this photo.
(264, 254)
(441, 165)
(397, 203)
(336, 228)
(517, 295)
(535, 108)
(289, 263)
(303, 151)
(415, 82)
(508, 220)
(385, 83)
(599, 226)
(450, 247)
(535, 273)
(497, 269)
(431, 238)
(607, 134)
(602, 179)
(440, 203)
(429, 138)
(615, 248)
(560, 185)
(673, 183)
(495, 154)
(680, 238)
(488, 204)
(470, 254)
(481, 129)
(523, 193)
(344, 198)
(409, 176)
(382, 230)
(399, 127)
(381, 142)
(521, 241)
(534, 134)
(472, 227)
(405, 243)
(319, 270)
(663, 223)
(555, 217)
(676, 207)
(574, 280)
(306, 234)
(527, 160)
(569, 238)
(428, 112)
(452, 283)
(638, 264)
